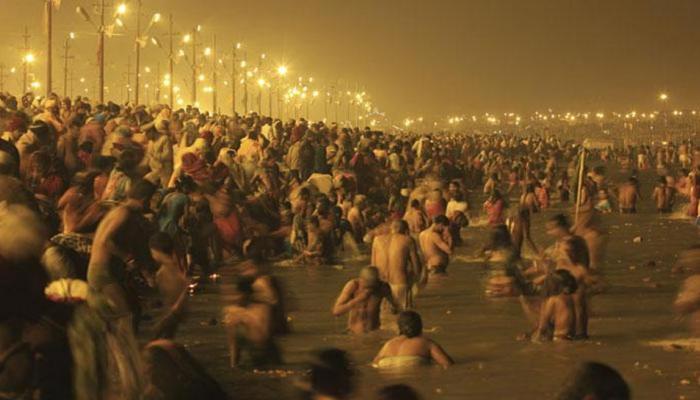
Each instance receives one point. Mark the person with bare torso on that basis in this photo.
(112, 251)
(628, 196)
(361, 298)
(434, 247)
(404, 268)
(411, 348)
(417, 221)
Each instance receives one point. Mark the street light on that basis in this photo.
(121, 9)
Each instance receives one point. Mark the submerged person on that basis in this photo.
(434, 247)
(595, 381)
(361, 298)
(506, 277)
(249, 328)
(411, 348)
(397, 392)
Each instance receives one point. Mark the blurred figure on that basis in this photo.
(595, 381)
(397, 392)
(171, 373)
(332, 377)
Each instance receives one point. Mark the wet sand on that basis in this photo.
(480, 332)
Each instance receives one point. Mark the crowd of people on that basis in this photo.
(107, 212)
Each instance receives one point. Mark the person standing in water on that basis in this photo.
(361, 298)
(404, 267)
(411, 348)
(434, 247)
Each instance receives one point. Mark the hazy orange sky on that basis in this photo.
(418, 57)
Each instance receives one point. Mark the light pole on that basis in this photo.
(66, 57)
(49, 44)
(236, 47)
(27, 59)
(260, 85)
(281, 73)
(244, 65)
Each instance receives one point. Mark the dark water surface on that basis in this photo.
(479, 332)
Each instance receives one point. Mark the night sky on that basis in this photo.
(419, 57)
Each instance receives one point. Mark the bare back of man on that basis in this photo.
(404, 268)
(379, 258)
(435, 250)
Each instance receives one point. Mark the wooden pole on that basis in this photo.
(49, 49)
(579, 188)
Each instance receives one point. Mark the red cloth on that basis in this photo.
(229, 229)
(433, 208)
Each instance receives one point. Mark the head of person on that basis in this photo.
(410, 324)
(369, 276)
(440, 223)
(141, 192)
(162, 247)
(575, 250)
(397, 392)
(595, 381)
(415, 204)
(399, 226)
(332, 375)
(558, 226)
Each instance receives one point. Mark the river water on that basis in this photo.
(478, 332)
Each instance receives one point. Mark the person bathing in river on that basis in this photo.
(519, 227)
(495, 207)
(663, 196)
(416, 218)
(573, 258)
(435, 244)
(403, 265)
(171, 282)
(361, 298)
(628, 195)
(249, 328)
(411, 348)
(557, 316)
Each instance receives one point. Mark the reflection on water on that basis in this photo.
(480, 333)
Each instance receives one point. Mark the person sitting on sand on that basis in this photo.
(411, 348)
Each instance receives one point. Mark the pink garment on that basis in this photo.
(433, 208)
(495, 212)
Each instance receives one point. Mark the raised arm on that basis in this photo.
(439, 355)
(345, 302)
